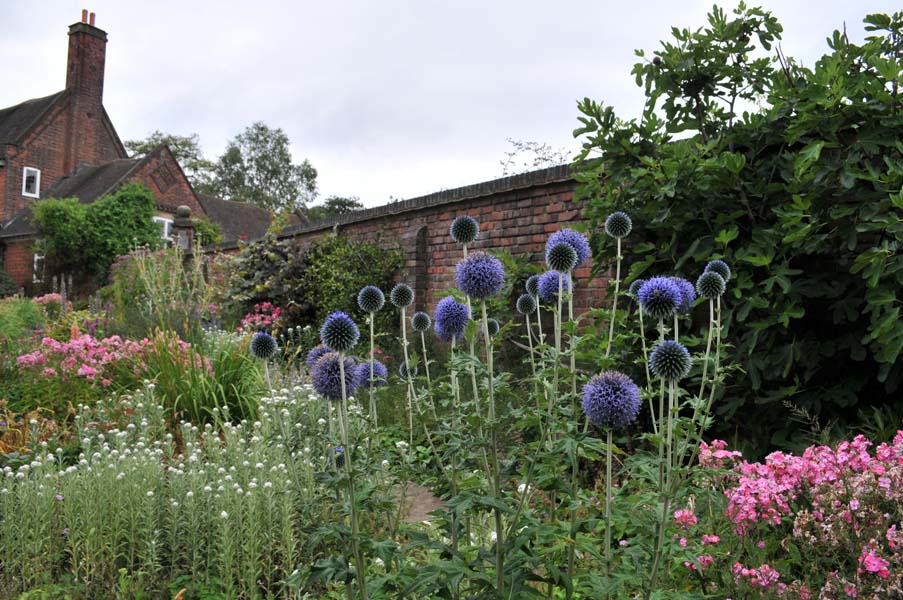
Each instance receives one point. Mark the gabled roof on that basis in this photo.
(16, 121)
(237, 219)
(90, 183)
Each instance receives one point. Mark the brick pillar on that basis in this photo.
(183, 229)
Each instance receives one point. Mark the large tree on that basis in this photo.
(257, 167)
(334, 205)
(186, 150)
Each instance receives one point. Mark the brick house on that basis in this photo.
(64, 145)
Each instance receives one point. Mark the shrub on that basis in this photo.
(7, 285)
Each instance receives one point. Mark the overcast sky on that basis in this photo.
(389, 98)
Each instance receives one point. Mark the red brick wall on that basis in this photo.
(18, 259)
(163, 176)
(516, 215)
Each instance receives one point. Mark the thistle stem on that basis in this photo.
(648, 377)
(532, 358)
(374, 418)
(407, 367)
(495, 477)
(572, 342)
(608, 496)
(355, 530)
(614, 302)
(429, 381)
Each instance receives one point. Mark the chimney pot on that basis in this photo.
(91, 22)
(84, 15)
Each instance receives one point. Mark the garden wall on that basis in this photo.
(516, 215)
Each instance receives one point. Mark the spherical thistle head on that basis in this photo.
(480, 275)
(561, 257)
(493, 326)
(451, 319)
(710, 285)
(404, 371)
(574, 239)
(464, 229)
(548, 286)
(362, 374)
(263, 345)
(611, 400)
(371, 299)
(687, 295)
(421, 321)
(634, 290)
(670, 360)
(326, 376)
(401, 295)
(314, 355)
(720, 267)
(618, 225)
(526, 304)
(339, 332)
(659, 297)
(532, 285)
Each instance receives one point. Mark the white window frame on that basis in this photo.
(37, 181)
(167, 228)
(37, 274)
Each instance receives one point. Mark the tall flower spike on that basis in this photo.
(401, 295)
(561, 257)
(480, 275)
(532, 285)
(451, 319)
(720, 267)
(403, 371)
(326, 376)
(464, 229)
(659, 297)
(618, 225)
(421, 321)
(339, 332)
(548, 286)
(263, 345)
(670, 361)
(526, 304)
(710, 285)
(371, 299)
(611, 400)
(574, 239)
(362, 374)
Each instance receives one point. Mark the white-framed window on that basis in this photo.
(165, 228)
(31, 182)
(37, 275)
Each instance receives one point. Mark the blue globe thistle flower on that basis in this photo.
(314, 355)
(526, 304)
(548, 286)
(618, 225)
(532, 285)
(710, 285)
(493, 326)
(451, 319)
(575, 239)
(634, 290)
(670, 360)
(480, 275)
(659, 297)
(362, 374)
(403, 371)
(401, 295)
(464, 229)
(687, 295)
(263, 345)
(339, 332)
(720, 267)
(611, 400)
(421, 321)
(326, 377)
(371, 299)
(561, 257)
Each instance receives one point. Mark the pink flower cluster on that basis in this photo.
(265, 316)
(84, 356)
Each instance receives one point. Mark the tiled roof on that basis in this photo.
(237, 219)
(16, 121)
(90, 183)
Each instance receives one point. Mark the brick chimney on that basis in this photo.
(84, 82)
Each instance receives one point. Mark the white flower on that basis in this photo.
(401, 445)
(150, 493)
(224, 515)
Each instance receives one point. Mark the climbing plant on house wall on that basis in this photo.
(793, 175)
